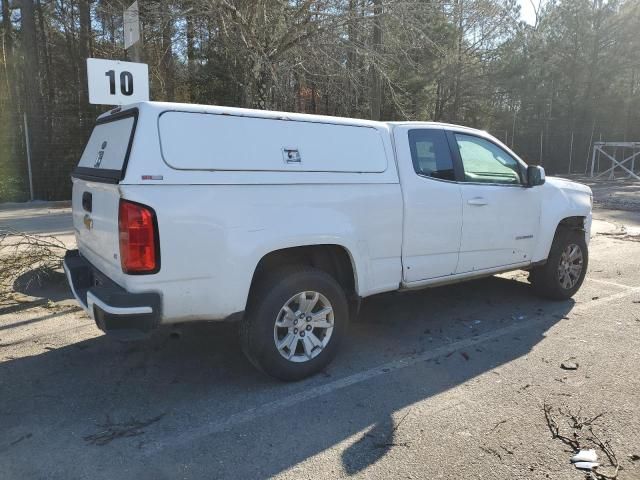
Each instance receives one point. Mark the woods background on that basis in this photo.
(549, 89)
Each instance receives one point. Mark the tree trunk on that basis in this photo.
(376, 83)
(190, 58)
(590, 101)
(260, 86)
(351, 67)
(314, 106)
(7, 43)
(437, 111)
(9, 117)
(33, 100)
(47, 79)
(167, 55)
(457, 87)
(84, 53)
(628, 130)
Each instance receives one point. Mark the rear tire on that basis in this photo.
(295, 322)
(563, 273)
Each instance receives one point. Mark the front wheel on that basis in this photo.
(295, 323)
(563, 273)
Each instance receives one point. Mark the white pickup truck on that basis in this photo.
(284, 221)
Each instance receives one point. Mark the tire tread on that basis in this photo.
(543, 279)
(262, 293)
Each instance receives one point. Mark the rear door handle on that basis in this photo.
(479, 201)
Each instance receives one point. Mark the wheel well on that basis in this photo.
(332, 259)
(568, 223)
(572, 223)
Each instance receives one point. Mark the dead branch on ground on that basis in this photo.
(582, 435)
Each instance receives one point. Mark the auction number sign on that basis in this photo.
(112, 82)
(126, 82)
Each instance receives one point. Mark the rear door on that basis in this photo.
(96, 195)
(432, 203)
(501, 215)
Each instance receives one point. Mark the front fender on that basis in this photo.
(560, 199)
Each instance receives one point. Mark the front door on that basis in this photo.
(501, 215)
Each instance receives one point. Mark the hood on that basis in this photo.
(564, 184)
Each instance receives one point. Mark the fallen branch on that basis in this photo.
(554, 428)
(605, 446)
(582, 433)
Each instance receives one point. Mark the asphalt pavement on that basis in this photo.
(449, 383)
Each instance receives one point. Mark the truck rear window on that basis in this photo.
(107, 152)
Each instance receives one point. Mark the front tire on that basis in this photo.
(295, 322)
(563, 273)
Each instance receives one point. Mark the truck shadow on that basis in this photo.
(43, 285)
(56, 400)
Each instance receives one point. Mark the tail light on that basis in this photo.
(139, 245)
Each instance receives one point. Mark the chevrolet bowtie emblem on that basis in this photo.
(88, 222)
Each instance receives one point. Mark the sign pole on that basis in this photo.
(570, 153)
(132, 37)
(135, 53)
(28, 143)
(116, 82)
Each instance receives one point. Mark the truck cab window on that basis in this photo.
(430, 154)
(485, 162)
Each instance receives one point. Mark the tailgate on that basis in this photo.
(95, 221)
(96, 193)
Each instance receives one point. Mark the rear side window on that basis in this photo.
(430, 154)
(107, 151)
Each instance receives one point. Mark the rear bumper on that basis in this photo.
(111, 306)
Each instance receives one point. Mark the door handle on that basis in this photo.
(479, 201)
(87, 201)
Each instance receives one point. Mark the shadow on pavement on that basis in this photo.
(47, 286)
(52, 401)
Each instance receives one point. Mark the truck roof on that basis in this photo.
(248, 112)
(303, 117)
(418, 123)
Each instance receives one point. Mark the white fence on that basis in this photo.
(622, 155)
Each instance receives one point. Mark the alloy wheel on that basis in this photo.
(303, 327)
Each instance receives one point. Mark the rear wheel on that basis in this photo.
(295, 322)
(563, 273)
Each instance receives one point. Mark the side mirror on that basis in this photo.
(535, 175)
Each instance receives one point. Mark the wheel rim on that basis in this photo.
(570, 266)
(303, 326)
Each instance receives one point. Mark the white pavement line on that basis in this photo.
(607, 282)
(607, 299)
(174, 440)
